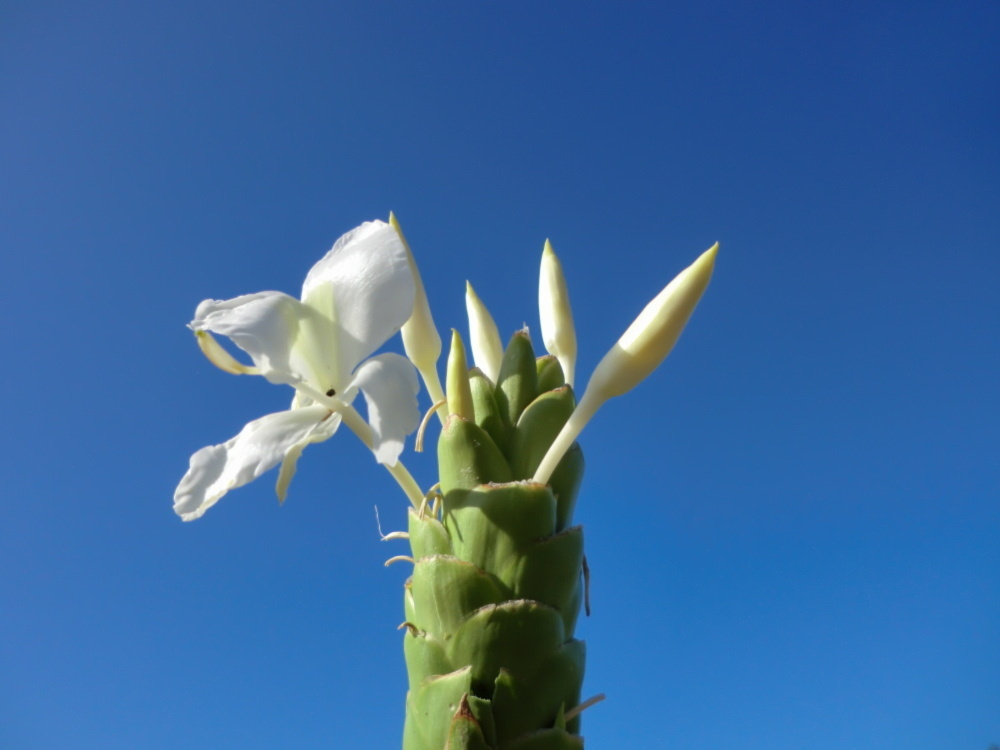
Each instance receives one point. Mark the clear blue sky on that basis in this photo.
(794, 526)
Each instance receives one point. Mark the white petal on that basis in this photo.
(291, 460)
(289, 341)
(373, 289)
(389, 384)
(260, 446)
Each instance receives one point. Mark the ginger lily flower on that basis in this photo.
(353, 301)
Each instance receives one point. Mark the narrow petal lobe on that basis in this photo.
(389, 384)
(261, 445)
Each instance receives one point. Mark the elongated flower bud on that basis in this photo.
(639, 351)
(420, 337)
(647, 342)
(558, 332)
(487, 349)
(457, 380)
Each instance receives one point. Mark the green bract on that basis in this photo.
(496, 588)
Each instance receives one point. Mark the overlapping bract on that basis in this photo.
(492, 605)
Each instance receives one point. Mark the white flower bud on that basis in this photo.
(487, 349)
(420, 337)
(647, 342)
(639, 351)
(555, 313)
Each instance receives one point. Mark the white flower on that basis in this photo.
(353, 301)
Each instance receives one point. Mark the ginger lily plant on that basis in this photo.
(498, 567)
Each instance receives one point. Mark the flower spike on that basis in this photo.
(487, 349)
(558, 332)
(640, 350)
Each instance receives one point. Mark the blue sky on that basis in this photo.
(793, 526)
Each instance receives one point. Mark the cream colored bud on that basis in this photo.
(487, 349)
(647, 342)
(218, 356)
(639, 351)
(420, 337)
(457, 380)
(558, 332)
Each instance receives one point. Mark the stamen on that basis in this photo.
(418, 445)
(392, 534)
(581, 707)
(400, 558)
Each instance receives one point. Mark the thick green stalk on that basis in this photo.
(496, 588)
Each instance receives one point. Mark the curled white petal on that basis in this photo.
(389, 384)
(371, 290)
(288, 341)
(261, 445)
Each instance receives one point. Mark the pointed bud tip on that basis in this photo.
(547, 250)
(706, 261)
